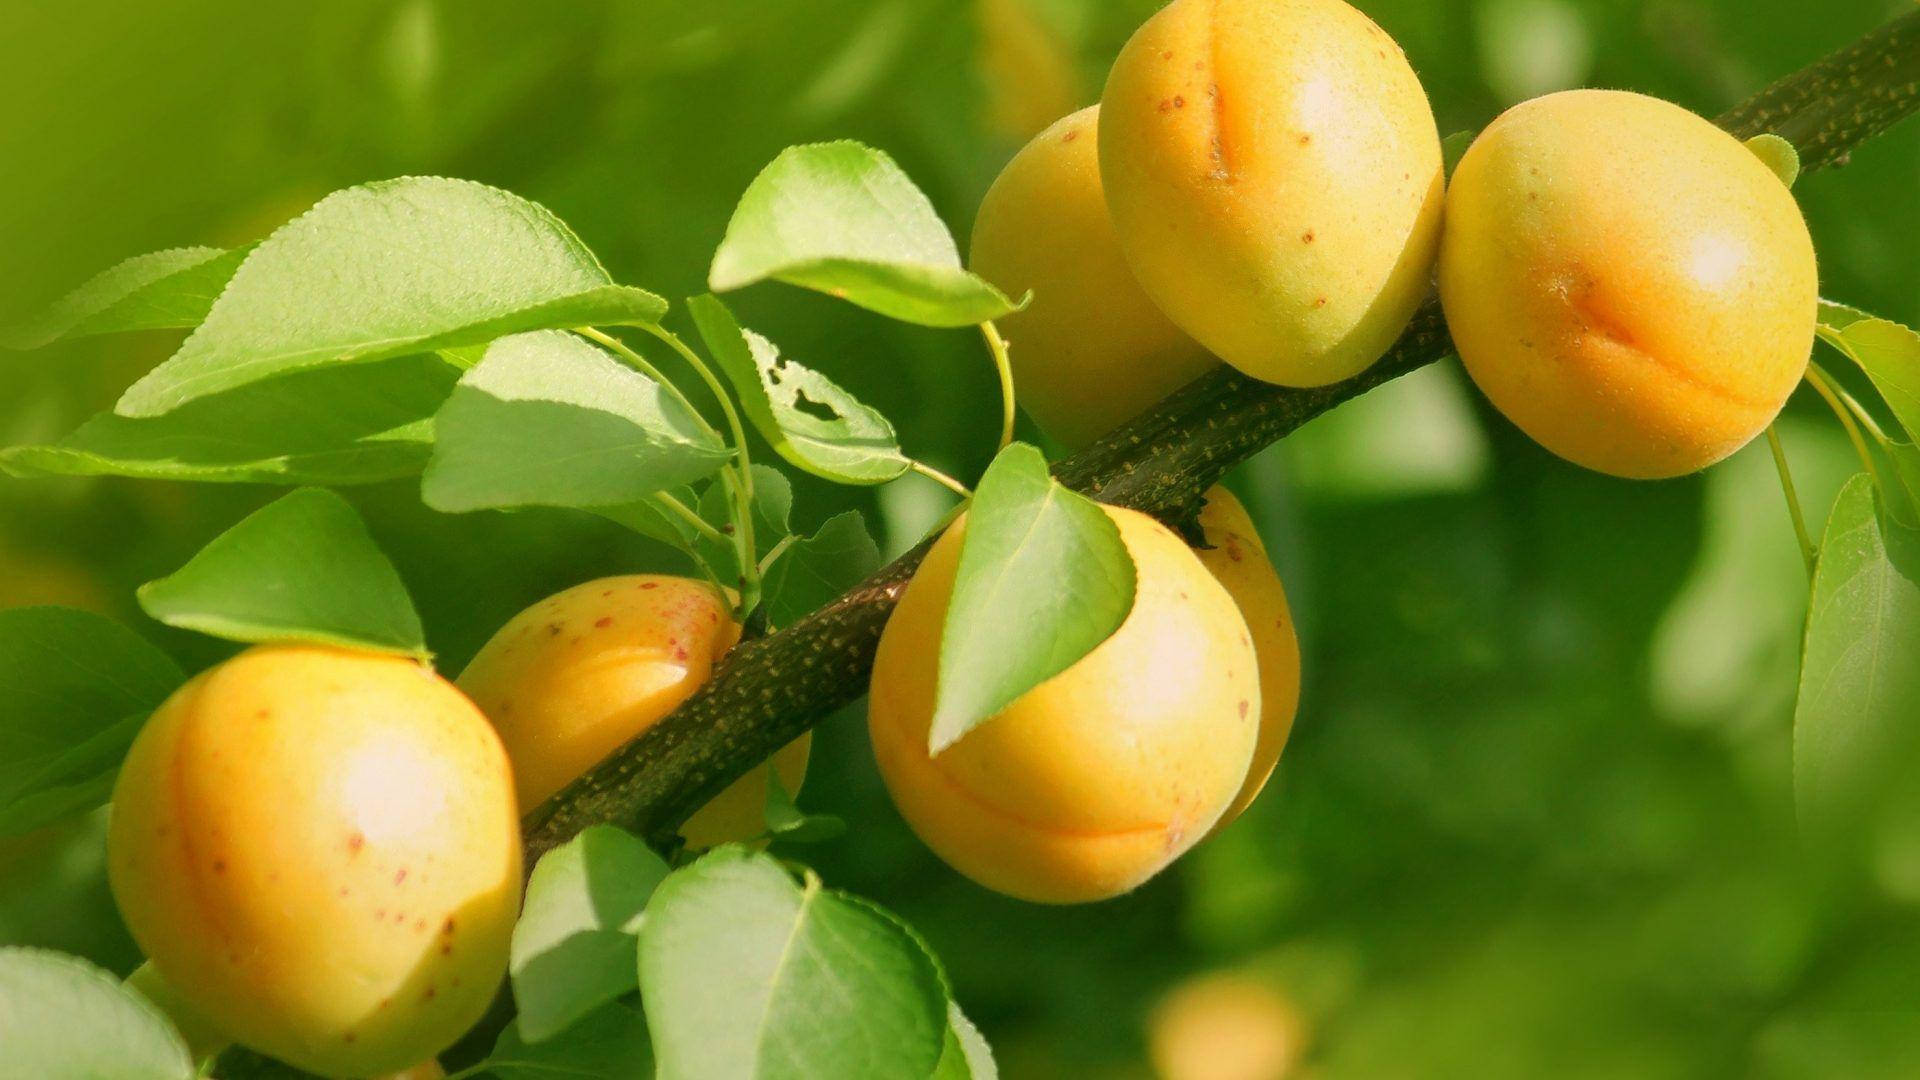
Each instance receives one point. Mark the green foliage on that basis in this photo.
(787, 822)
(330, 425)
(843, 219)
(386, 269)
(74, 690)
(608, 1044)
(171, 289)
(1888, 352)
(1859, 686)
(1043, 579)
(61, 1018)
(966, 1055)
(573, 948)
(815, 569)
(855, 446)
(303, 568)
(748, 974)
(547, 419)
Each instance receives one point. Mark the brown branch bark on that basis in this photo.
(773, 689)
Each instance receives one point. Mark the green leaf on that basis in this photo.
(74, 688)
(303, 568)
(164, 290)
(61, 1018)
(1859, 685)
(750, 976)
(772, 507)
(573, 948)
(1043, 579)
(401, 266)
(1888, 352)
(818, 568)
(330, 426)
(1778, 155)
(856, 445)
(550, 419)
(654, 521)
(843, 219)
(966, 1055)
(786, 821)
(610, 1044)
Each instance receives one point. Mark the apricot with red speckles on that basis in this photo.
(1274, 175)
(318, 850)
(1628, 283)
(1093, 781)
(575, 676)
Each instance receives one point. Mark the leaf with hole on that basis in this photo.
(854, 444)
(389, 268)
(302, 568)
(331, 426)
(550, 419)
(749, 975)
(74, 689)
(1043, 579)
(843, 219)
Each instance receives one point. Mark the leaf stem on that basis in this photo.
(778, 550)
(683, 512)
(1823, 385)
(939, 477)
(645, 367)
(998, 346)
(1808, 553)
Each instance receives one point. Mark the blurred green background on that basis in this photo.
(1536, 818)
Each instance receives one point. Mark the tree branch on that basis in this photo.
(772, 690)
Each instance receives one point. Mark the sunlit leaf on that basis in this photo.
(61, 1018)
(164, 290)
(966, 1055)
(1888, 352)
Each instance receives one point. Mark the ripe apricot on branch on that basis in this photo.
(1238, 560)
(1275, 179)
(1095, 780)
(319, 852)
(1090, 351)
(575, 676)
(1628, 283)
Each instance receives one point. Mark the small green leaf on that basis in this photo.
(550, 419)
(61, 1018)
(1904, 504)
(609, 1044)
(855, 446)
(786, 821)
(1453, 148)
(1043, 579)
(1888, 352)
(1859, 685)
(772, 507)
(818, 568)
(304, 569)
(164, 290)
(331, 426)
(843, 219)
(749, 975)
(401, 266)
(573, 948)
(1778, 155)
(966, 1055)
(74, 688)
(656, 522)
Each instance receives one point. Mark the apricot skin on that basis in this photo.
(318, 850)
(574, 677)
(1274, 176)
(1628, 283)
(1238, 560)
(1095, 780)
(1090, 351)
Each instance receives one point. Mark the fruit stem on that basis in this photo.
(997, 345)
(1808, 553)
(1823, 384)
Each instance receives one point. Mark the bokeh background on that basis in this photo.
(1536, 818)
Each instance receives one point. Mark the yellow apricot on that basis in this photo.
(1625, 281)
(319, 851)
(1238, 560)
(1091, 351)
(1095, 780)
(1274, 175)
(576, 676)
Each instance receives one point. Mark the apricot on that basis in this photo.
(1090, 351)
(319, 852)
(574, 677)
(1274, 175)
(1093, 781)
(1628, 283)
(1238, 560)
